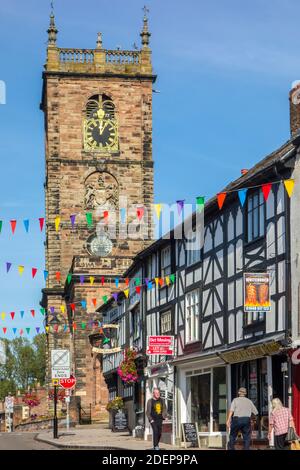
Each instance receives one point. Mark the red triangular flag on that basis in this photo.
(221, 198)
(102, 280)
(57, 274)
(140, 212)
(13, 224)
(4, 330)
(41, 219)
(266, 188)
(127, 281)
(161, 281)
(32, 312)
(138, 289)
(33, 271)
(105, 214)
(74, 326)
(12, 314)
(94, 302)
(21, 331)
(72, 307)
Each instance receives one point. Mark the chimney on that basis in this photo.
(294, 98)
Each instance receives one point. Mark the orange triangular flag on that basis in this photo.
(221, 199)
(289, 186)
(57, 274)
(94, 302)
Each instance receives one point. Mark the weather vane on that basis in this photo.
(145, 10)
(52, 6)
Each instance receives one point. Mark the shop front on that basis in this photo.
(202, 399)
(162, 376)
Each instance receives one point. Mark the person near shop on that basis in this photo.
(280, 421)
(156, 413)
(239, 419)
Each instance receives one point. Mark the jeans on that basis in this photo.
(280, 442)
(156, 429)
(240, 424)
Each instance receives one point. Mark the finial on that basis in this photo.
(145, 35)
(52, 31)
(99, 41)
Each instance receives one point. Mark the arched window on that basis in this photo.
(97, 102)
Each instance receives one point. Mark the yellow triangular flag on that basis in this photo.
(62, 309)
(3, 315)
(167, 280)
(156, 280)
(21, 269)
(289, 186)
(47, 328)
(157, 208)
(92, 280)
(57, 223)
(126, 292)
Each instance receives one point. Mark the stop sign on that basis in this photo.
(68, 383)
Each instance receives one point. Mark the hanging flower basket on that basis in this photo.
(127, 370)
(115, 404)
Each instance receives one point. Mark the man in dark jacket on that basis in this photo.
(156, 412)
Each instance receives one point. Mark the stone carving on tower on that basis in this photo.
(101, 190)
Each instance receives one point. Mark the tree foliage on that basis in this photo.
(25, 364)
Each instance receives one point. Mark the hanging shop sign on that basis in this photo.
(251, 353)
(106, 350)
(160, 345)
(257, 292)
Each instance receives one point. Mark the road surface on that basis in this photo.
(22, 441)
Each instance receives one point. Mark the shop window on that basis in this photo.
(255, 216)
(252, 318)
(193, 252)
(200, 401)
(166, 261)
(192, 315)
(135, 323)
(166, 323)
(219, 399)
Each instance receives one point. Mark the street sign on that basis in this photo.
(160, 345)
(68, 383)
(60, 363)
(55, 382)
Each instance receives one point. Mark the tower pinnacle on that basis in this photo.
(145, 34)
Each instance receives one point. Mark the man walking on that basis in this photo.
(239, 419)
(156, 412)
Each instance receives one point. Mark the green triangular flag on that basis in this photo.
(42, 310)
(200, 203)
(28, 330)
(0, 225)
(104, 298)
(89, 218)
(137, 281)
(69, 278)
(172, 278)
(83, 325)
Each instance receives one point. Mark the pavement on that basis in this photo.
(96, 437)
(22, 441)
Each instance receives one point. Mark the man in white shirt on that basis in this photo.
(239, 419)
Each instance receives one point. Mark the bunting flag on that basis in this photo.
(1, 223)
(37, 329)
(140, 212)
(41, 221)
(161, 281)
(289, 186)
(83, 325)
(149, 286)
(83, 303)
(127, 281)
(105, 215)
(200, 203)
(117, 282)
(115, 296)
(8, 266)
(72, 307)
(167, 280)
(27, 330)
(33, 272)
(22, 313)
(172, 278)
(242, 193)
(92, 280)
(12, 314)
(81, 278)
(52, 309)
(21, 269)
(57, 223)
(62, 309)
(221, 199)
(3, 315)
(123, 215)
(14, 330)
(21, 332)
(42, 310)
(4, 329)
(46, 275)
(72, 218)
(74, 325)
(180, 204)
(94, 301)
(156, 281)
(146, 281)
(126, 292)
(69, 278)
(266, 188)
(89, 219)
(13, 224)
(138, 289)
(26, 225)
(32, 313)
(137, 281)
(102, 280)
(157, 208)
(57, 275)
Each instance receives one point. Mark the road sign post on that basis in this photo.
(68, 384)
(55, 424)
(60, 369)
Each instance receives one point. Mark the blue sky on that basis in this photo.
(224, 73)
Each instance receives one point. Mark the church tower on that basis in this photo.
(97, 105)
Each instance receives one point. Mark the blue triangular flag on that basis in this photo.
(37, 329)
(8, 266)
(14, 330)
(65, 327)
(26, 224)
(83, 303)
(149, 285)
(22, 313)
(242, 196)
(123, 215)
(45, 275)
(117, 282)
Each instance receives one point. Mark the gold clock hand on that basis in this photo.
(102, 128)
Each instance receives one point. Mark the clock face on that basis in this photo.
(99, 246)
(101, 133)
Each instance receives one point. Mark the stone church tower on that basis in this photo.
(97, 105)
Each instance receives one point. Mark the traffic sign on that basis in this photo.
(68, 383)
(60, 363)
(55, 382)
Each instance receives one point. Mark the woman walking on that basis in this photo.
(280, 421)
